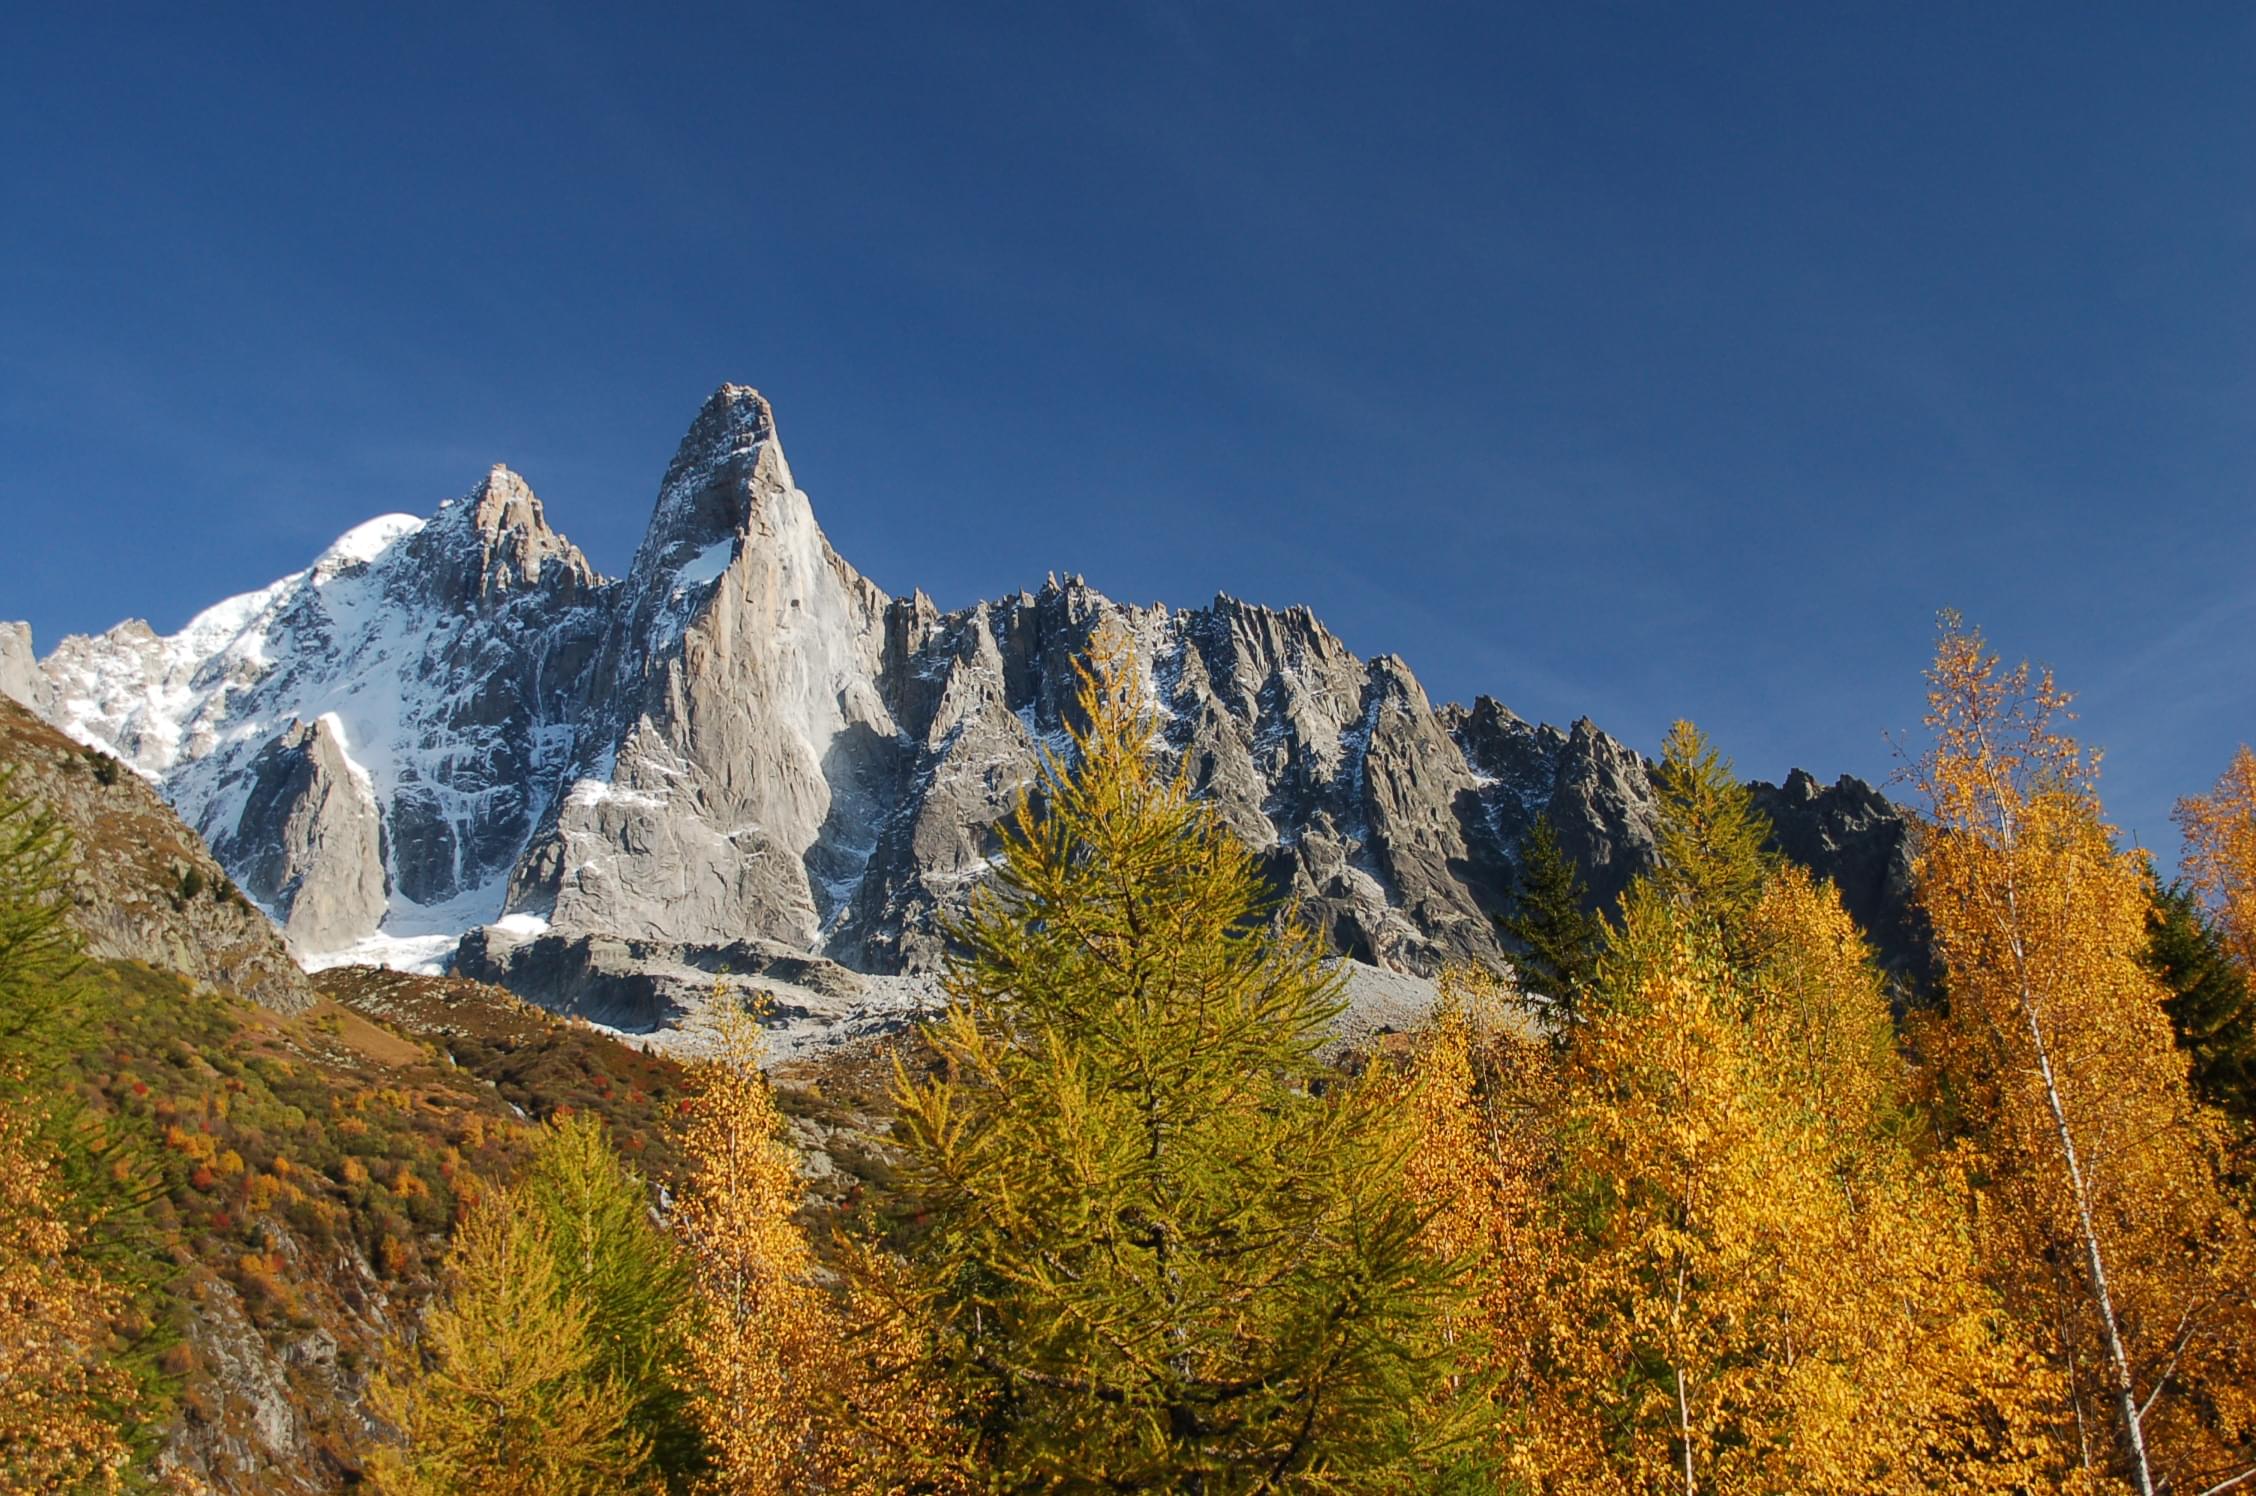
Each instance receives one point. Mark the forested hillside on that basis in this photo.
(1681, 1197)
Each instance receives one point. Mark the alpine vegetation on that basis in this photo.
(1710, 1205)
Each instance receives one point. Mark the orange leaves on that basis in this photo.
(2107, 1225)
(793, 1390)
(58, 1394)
(1476, 1091)
(2220, 855)
(761, 1321)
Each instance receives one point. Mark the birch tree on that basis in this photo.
(2220, 852)
(2108, 1226)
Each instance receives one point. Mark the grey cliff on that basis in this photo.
(745, 744)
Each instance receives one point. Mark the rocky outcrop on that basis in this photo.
(144, 887)
(736, 753)
(447, 657)
(310, 842)
(1852, 834)
(744, 740)
(807, 1004)
(20, 680)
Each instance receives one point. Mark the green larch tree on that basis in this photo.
(42, 989)
(629, 1273)
(1164, 1248)
(505, 1392)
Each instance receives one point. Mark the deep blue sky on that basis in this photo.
(1624, 360)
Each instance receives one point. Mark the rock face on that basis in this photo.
(314, 852)
(1865, 845)
(807, 1003)
(444, 722)
(144, 886)
(20, 680)
(443, 660)
(732, 759)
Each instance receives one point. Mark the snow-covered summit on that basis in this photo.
(366, 541)
(430, 736)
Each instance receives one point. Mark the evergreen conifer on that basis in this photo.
(1559, 937)
(1161, 1256)
(629, 1274)
(2209, 1002)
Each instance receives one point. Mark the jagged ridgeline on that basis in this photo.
(745, 754)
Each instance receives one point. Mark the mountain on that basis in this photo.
(143, 887)
(275, 1159)
(744, 751)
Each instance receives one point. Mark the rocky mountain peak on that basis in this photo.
(1394, 683)
(728, 478)
(447, 722)
(495, 541)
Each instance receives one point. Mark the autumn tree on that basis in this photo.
(1165, 1251)
(757, 1348)
(795, 1387)
(1710, 842)
(629, 1275)
(1943, 1390)
(506, 1391)
(1557, 935)
(60, 1397)
(1482, 1095)
(2220, 853)
(1712, 1260)
(1740, 1298)
(1818, 1012)
(2105, 1223)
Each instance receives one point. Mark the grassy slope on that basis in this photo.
(296, 1177)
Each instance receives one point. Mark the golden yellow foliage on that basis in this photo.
(1965, 1400)
(503, 1395)
(755, 1349)
(2220, 852)
(260, 1192)
(2106, 1226)
(1696, 1275)
(788, 1397)
(59, 1397)
(1819, 1017)
(1481, 1093)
